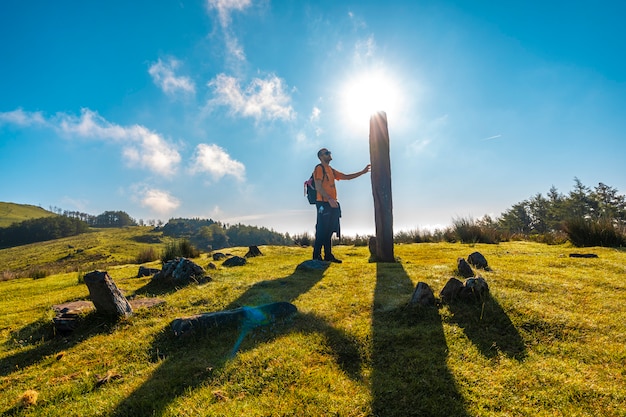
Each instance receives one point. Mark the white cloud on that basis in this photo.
(225, 7)
(315, 115)
(364, 49)
(159, 201)
(141, 146)
(21, 118)
(215, 161)
(164, 75)
(261, 99)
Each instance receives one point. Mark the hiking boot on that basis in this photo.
(333, 259)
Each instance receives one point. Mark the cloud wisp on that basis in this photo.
(164, 76)
(159, 201)
(141, 146)
(262, 99)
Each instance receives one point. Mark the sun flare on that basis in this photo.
(368, 93)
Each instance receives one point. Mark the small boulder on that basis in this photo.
(235, 261)
(474, 289)
(464, 269)
(477, 260)
(313, 265)
(144, 271)
(451, 290)
(423, 295)
(218, 256)
(181, 270)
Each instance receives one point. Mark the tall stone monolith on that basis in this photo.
(381, 187)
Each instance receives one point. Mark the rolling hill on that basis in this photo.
(14, 213)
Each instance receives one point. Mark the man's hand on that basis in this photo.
(333, 203)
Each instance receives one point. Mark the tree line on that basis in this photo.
(207, 234)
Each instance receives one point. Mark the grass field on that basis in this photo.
(551, 340)
(13, 213)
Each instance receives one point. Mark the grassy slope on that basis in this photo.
(11, 213)
(94, 250)
(550, 342)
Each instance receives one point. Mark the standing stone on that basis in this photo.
(451, 290)
(381, 186)
(423, 295)
(105, 295)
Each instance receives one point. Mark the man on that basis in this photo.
(328, 210)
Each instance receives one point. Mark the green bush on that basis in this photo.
(147, 255)
(467, 230)
(181, 248)
(583, 233)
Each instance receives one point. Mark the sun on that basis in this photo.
(367, 93)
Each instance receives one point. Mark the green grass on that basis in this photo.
(97, 249)
(551, 340)
(14, 213)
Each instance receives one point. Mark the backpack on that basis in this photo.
(309, 186)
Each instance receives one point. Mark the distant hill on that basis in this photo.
(11, 213)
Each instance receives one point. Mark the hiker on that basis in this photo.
(328, 210)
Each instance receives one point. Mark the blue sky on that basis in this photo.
(216, 108)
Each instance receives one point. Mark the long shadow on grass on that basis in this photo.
(41, 336)
(410, 375)
(202, 356)
(488, 326)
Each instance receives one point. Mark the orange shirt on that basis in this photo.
(328, 181)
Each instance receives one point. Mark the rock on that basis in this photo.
(146, 272)
(218, 256)
(371, 244)
(211, 265)
(249, 317)
(235, 261)
(423, 295)
(464, 269)
(181, 270)
(106, 297)
(477, 260)
(252, 252)
(474, 289)
(451, 290)
(313, 265)
(583, 255)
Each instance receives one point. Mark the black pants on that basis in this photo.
(327, 224)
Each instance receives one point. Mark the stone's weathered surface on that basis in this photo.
(477, 260)
(473, 289)
(211, 265)
(313, 265)
(252, 252)
(106, 297)
(451, 290)
(249, 317)
(583, 255)
(144, 271)
(423, 295)
(218, 256)
(381, 186)
(181, 270)
(464, 269)
(235, 261)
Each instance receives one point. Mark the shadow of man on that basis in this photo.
(416, 381)
(203, 354)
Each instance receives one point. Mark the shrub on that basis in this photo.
(147, 255)
(467, 230)
(181, 248)
(304, 239)
(582, 232)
